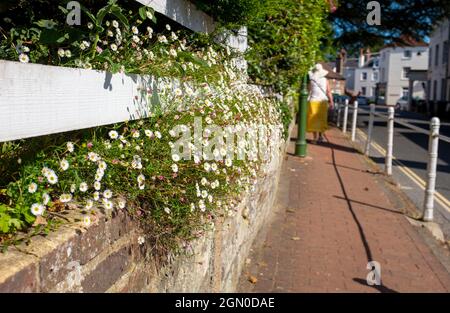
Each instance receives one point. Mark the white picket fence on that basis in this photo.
(38, 100)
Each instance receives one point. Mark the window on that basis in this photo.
(405, 72)
(363, 91)
(407, 54)
(436, 56)
(405, 92)
(375, 76)
(445, 53)
(364, 76)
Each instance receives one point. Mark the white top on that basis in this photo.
(318, 89)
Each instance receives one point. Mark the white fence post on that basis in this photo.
(344, 123)
(370, 129)
(390, 140)
(355, 119)
(433, 143)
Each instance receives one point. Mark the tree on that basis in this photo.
(399, 19)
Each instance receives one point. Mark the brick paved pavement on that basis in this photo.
(332, 218)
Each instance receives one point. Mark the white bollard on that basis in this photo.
(370, 129)
(338, 120)
(344, 123)
(433, 143)
(355, 119)
(390, 140)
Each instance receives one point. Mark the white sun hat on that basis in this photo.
(318, 71)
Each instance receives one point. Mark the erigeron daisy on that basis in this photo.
(96, 195)
(99, 174)
(37, 209)
(23, 58)
(201, 205)
(135, 39)
(214, 167)
(174, 168)
(93, 157)
(135, 30)
(65, 197)
(115, 24)
(32, 187)
(141, 179)
(210, 198)
(83, 187)
(203, 181)
(167, 210)
(207, 166)
(52, 178)
(102, 165)
(45, 198)
(109, 33)
(175, 157)
(158, 135)
(228, 162)
(141, 186)
(107, 194)
(90, 25)
(136, 134)
(173, 36)
(97, 185)
(68, 54)
(121, 203)
(86, 221)
(141, 240)
(173, 52)
(168, 27)
(64, 164)
(148, 133)
(70, 146)
(113, 134)
(84, 45)
(61, 52)
(162, 39)
(107, 204)
(73, 187)
(89, 204)
(204, 194)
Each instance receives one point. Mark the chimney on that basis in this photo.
(368, 55)
(341, 59)
(361, 60)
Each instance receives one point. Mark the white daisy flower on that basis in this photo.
(158, 135)
(52, 178)
(136, 134)
(135, 30)
(64, 164)
(73, 187)
(97, 185)
(141, 240)
(102, 165)
(167, 210)
(136, 39)
(45, 198)
(61, 52)
(93, 157)
(32, 187)
(207, 166)
(90, 25)
(201, 205)
(68, 54)
(113, 134)
(70, 146)
(115, 24)
(228, 162)
(214, 167)
(107, 194)
(65, 197)
(174, 168)
(204, 181)
(86, 221)
(204, 194)
(175, 157)
(148, 133)
(121, 203)
(89, 204)
(141, 179)
(37, 209)
(83, 187)
(23, 58)
(96, 195)
(173, 53)
(108, 204)
(168, 27)
(192, 207)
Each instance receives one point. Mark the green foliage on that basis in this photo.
(285, 39)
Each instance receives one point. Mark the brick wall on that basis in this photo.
(106, 257)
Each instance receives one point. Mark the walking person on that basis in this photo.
(319, 100)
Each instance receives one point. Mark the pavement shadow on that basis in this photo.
(414, 164)
(380, 288)
(369, 205)
(328, 145)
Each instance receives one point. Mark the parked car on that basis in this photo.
(402, 104)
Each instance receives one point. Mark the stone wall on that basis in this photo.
(106, 257)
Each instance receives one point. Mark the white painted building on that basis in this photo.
(367, 76)
(438, 73)
(395, 63)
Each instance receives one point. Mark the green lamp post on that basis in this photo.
(300, 145)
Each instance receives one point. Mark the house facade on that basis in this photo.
(367, 77)
(395, 63)
(438, 84)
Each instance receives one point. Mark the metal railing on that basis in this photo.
(433, 133)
